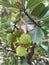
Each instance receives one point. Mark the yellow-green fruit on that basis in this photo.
(25, 39)
(15, 14)
(13, 19)
(19, 32)
(10, 37)
(21, 51)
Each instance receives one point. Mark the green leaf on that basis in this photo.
(38, 9)
(45, 23)
(44, 11)
(4, 19)
(37, 35)
(32, 3)
(45, 32)
(45, 17)
(24, 62)
(36, 49)
(5, 3)
(14, 59)
(44, 47)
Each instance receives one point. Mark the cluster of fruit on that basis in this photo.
(24, 39)
(14, 16)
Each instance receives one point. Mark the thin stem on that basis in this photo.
(23, 21)
(29, 57)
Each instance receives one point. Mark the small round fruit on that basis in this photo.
(15, 14)
(21, 51)
(13, 19)
(25, 39)
(19, 32)
(10, 37)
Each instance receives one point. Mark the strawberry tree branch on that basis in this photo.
(15, 27)
(12, 46)
(29, 16)
(29, 57)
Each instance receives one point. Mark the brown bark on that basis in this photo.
(29, 57)
(28, 15)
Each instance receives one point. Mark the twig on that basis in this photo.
(28, 15)
(23, 21)
(29, 57)
(15, 26)
(12, 46)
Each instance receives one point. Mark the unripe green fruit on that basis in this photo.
(15, 14)
(13, 19)
(25, 39)
(10, 37)
(19, 32)
(21, 51)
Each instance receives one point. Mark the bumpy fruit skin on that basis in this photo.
(25, 39)
(19, 32)
(13, 19)
(15, 14)
(10, 37)
(21, 51)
